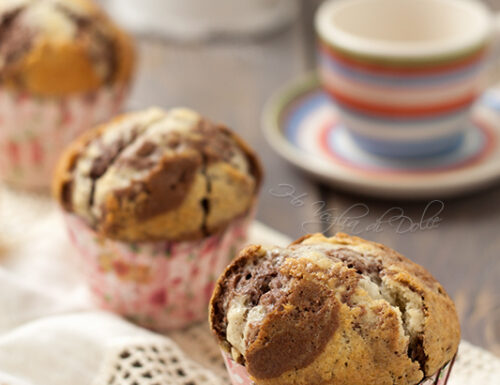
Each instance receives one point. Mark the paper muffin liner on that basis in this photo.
(159, 285)
(34, 130)
(239, 375)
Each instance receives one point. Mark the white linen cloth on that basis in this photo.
(51, 334)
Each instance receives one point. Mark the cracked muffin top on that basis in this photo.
(56, 47)
(158, 175)
(339, 311)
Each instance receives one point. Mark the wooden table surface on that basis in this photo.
(229, 81)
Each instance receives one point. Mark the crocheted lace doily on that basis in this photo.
(193, 360)
(191, 357)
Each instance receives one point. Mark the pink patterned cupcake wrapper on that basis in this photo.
(239, 375)
(159, 285)
(34, 130)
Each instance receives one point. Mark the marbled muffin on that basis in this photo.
(60, 47)
(339, 311)
(158, 175)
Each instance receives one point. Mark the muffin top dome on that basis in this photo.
(56, 47)
(337, 310)
(158, 175)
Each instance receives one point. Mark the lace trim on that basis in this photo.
(165, 361)
(154, 361)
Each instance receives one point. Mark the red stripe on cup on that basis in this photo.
(387, 110)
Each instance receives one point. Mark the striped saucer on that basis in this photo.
(302, 125)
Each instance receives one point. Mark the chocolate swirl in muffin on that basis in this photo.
(159, 175)
(335, 310)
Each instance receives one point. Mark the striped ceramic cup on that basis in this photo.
(404, 73)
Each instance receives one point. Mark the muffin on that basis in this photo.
(157, 202)
(64, 66)
(339, 310)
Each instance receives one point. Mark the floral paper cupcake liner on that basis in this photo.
(239, 375)
(159, 285)
(35, 130)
